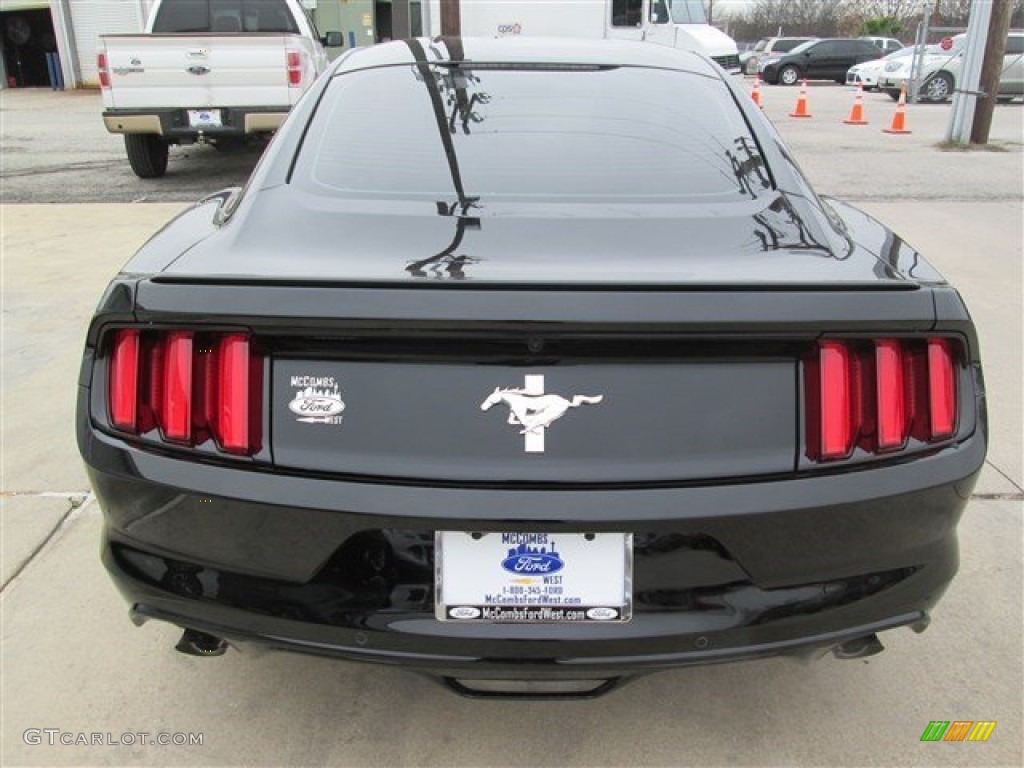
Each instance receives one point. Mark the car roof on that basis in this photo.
(523, 50)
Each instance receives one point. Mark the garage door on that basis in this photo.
(92, 18)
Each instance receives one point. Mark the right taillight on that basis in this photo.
(877, 394)
(101, 65)
(942, 400)
(186, 388)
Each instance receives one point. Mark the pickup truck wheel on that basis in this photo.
(147, 154)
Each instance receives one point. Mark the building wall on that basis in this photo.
(92, 18)
(353, 18)
(79, 23)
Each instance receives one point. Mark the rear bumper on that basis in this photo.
(344, 569)
(174, 124)
(769, 73)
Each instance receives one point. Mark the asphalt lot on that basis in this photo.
(72, 661)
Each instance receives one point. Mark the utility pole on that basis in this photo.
(991, 70)
(451, 19)
(711, 11)
(965, 95)
(917, 58)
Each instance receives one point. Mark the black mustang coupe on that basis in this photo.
(534, 366)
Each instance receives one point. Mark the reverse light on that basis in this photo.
(186, 388)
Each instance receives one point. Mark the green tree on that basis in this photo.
(884, 26)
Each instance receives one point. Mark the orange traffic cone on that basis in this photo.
(857, 113)
(801, 103)
(755, 93)
(899, 120)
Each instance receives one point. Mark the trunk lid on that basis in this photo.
(558, 421)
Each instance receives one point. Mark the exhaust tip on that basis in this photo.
(859, 648)
(196, 643)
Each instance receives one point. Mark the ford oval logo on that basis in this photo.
(316, 405)
(602, 614)
(527, 558)
(463, 612)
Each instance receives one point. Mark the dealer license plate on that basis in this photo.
(533, 577)
(204, 118)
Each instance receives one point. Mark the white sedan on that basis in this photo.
(940, 71)
(867, 73)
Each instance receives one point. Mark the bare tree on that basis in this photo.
(790, 17)
(828, 18)
(902, 10)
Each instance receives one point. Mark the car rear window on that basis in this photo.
(224, 16)
(785, 46)
(619, 134)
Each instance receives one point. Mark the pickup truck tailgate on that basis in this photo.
(198, 71)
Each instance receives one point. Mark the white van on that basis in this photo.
(675, 23)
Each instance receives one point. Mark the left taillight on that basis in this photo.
(188, 389)
(294, 64)
(123, 384)
(101, 68)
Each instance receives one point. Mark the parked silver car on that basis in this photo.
(941, 71)
(766, 46)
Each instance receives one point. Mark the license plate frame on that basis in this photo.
(205, 118)
(568, 578)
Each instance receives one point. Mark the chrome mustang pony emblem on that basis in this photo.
(533, 410)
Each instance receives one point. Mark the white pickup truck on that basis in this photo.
(673, 23)
(217, 71)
